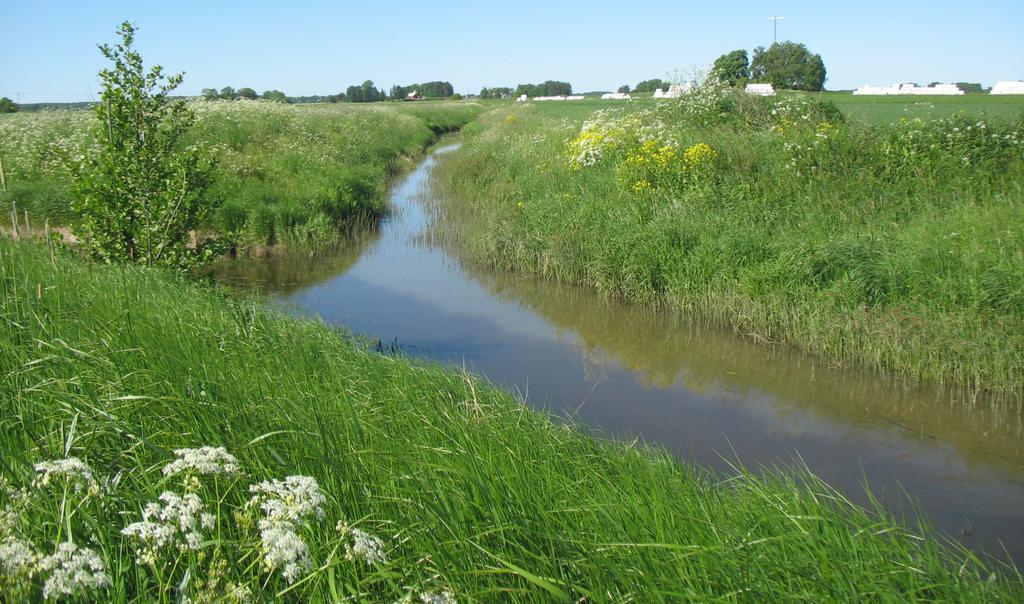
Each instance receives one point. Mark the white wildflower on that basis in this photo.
(284, 550)
(204, 460)
(365, 547)
(75, 471)
(17, 558)
(445, 597)
(238, 593)
(287, 501)
(174, 522)
(73, 570)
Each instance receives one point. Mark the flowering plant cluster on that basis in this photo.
(176, 533)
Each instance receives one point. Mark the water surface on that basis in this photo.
(638, 373)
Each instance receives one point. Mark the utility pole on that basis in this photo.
(775, 28)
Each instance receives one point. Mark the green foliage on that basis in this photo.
(970, 87)
(274, 95)
(141, 197)
(498, 92)
(650, 85)
(470, 491)
(7, 105)
(429, 90)
(227, 93)
(895, 245)
(732, 67)
(247, 93)
(623, 89)
(548, 88)
(788, 66)
(364, 93)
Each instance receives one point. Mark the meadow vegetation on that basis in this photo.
(164, 442)
(285, 174)
(898, 245)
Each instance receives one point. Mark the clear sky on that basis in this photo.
(48, 48)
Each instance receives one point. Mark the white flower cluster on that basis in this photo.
(18, 559)
(204, 460)
(75, 471)
(444, 597)
(73, 570)
(364, 547)
(286, 505)
(175, 521)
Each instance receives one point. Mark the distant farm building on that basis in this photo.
(938, 89)
(675, 91)
(615, 95)
(1008, 87)
(414, 96)
(760, 89)
(571, 97)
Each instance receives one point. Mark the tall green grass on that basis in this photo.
(472, 492)
(897, 246)
(287, 174)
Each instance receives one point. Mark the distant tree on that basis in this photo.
(970, 87)
(228, 93)
(274, 95)
(142, 193)
(210, 94)
(247, 93)
(788, 65)
(624, 88)
(456, 97)
(732, 67)
(7, 105)
(649, 85)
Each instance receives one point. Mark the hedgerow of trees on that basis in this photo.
(228, 93)
(430, 90)
(498, 92)
(548, 88)
(364, 93)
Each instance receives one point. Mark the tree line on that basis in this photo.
(228, 93)
(429, 90)
(785, 65)
(548, 88)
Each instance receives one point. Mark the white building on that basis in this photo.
(1008, 87)
(938, 89)
(675, 90)
(760, 89)
(615, 95)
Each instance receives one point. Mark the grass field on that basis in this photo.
(467, 491)
(898, 246)
(291, 174)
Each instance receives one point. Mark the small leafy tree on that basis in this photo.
(623, 89)
(247, 93)
(7, 105)
(788, 65)
(732, 68)
(140, 197)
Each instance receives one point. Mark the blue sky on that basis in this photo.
(48, 49)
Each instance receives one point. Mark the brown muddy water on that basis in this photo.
(635, 373)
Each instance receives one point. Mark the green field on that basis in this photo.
(468, 491)
(297, 175)
(898, 246)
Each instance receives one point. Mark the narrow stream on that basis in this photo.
(702, 393)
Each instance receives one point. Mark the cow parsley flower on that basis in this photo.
(18, 559)
(364, 547)
(204, 460)
(284, 550)
(73, 570)
(444, 597)
(287, 502)
(175, 521)
(71, 469)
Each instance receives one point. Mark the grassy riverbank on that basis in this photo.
(898, 246)
(469, 491)
(291, 174)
